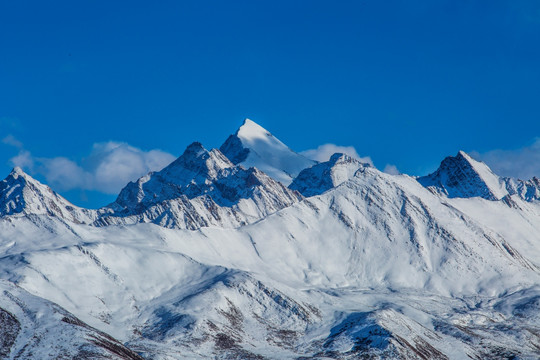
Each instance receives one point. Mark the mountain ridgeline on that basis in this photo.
(252, 251)
(228, 188)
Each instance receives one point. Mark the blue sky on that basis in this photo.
(403, 82)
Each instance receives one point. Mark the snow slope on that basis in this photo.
(34, 328)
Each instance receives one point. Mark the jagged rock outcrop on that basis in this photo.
(528, 190)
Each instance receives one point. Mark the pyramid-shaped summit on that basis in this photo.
(15, 190)
(21, 194)
(461, 176)
(254, 146)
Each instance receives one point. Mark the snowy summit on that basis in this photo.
(254, 146)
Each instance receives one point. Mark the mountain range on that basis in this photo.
(252, 251)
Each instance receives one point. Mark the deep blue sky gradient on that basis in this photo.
(405, 82)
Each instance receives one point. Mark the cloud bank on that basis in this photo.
(108, 168)
(523, 163)
(323, 153)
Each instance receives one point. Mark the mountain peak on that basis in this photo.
(18, 177)
(195, 148)
(254, 146)
(21, 194)
(196, 161)
(251, 130)
(466, 157)
(17, 171)
(462, 176)
(195, 168)
(341, 157)
(200, 188)
(326, 175)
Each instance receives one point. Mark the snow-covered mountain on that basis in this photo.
(363, 265)
(461, 176)
(254, 146)
(21, 195)
(201, 188)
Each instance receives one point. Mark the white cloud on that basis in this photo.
(11, 140)
(23, 160)
(523, 163)
(64, 174)
(108, 168)
(391, 169)
(324, 152)
(115, 164)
